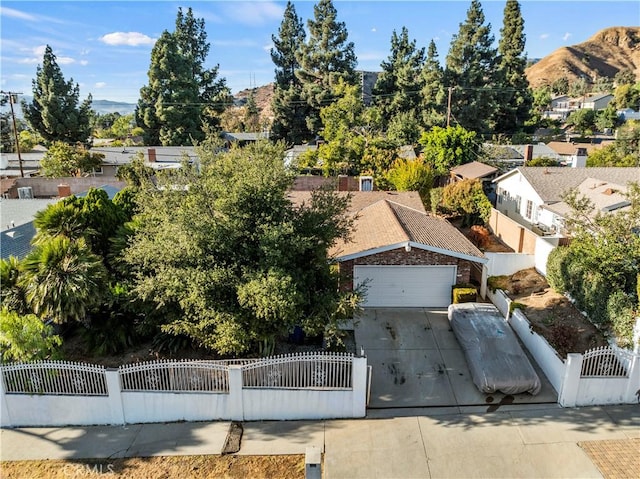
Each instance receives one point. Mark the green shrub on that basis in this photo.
(622, 317)
(515, 305)
(464, 295)
(556, 269)
(435, 200)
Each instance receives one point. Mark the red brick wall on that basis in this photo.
(400, 256)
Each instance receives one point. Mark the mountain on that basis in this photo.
(108, 106)
(262, 96)
(606, 53)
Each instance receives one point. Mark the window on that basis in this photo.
(529, 213)
(98, 170)
(366, 183)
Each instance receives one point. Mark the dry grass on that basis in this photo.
(192, 467)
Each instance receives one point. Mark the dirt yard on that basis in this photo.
(196, 467)
(551, 314)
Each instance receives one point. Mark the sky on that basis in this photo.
(105, 46)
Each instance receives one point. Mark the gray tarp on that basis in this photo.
(493, 353)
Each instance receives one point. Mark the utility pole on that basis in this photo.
(449, 106)
(13, 97)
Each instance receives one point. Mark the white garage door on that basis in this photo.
(406, 286)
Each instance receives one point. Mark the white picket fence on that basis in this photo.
(296, 386)
(607, 375)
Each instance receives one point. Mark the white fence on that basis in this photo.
(599, 377)
(307, 386)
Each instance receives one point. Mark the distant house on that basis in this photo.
(476, 171)
(156, 157)
(242, 138)
(532, 196)
(628, 114)
(597, 102)
(575, 154)
(512, 156)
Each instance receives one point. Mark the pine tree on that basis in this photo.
(399, 85)
(514, 97)
(433, 91)
(182, 98)
(325, 58)
(289, 109)
(55, 112)
(470, 71)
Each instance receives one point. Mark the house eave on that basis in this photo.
(407, 245)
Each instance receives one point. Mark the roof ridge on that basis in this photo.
(405, 206)
(387, 204)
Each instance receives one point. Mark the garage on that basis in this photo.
(406, 285)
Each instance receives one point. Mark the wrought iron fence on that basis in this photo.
(55, 378)
(300, 371)
(605, 361)
(179, 376)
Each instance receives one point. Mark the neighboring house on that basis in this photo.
(242, 138)
(476, 171)
(16, 218)
(291, 155)
(596, 102)
(403, 255)
(628, 114)
(574, 154)
(17, 221)
(512, 156)
(10, 163)
(532, 196)
(156, 157)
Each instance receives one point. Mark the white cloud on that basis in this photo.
(544, 36)
(267, 48)
(100, 84)
(10, 12)
(84, 63)
(65, 60)
(374, 29)
(566, 36)
(253, 13)
(132, 39)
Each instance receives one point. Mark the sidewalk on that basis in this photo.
(514, 441)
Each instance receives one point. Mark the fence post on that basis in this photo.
(236, 406)
(633, 384)
(359, 384)
(115, 396)
(571, 381)
(5, 418)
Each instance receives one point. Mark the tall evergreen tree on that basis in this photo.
(433, 91)
(399, 85)
(325, 58)
(182, 98)
(55, 111)
(470, 71)
(289, 109)
(514, 97)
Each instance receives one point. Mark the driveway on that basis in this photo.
(417, 362)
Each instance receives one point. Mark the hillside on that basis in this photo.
(262, 96)
(604, 54)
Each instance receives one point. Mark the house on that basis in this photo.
(596, 102)
(473, 171)
(404, 256)
(242, 138)
(628, 114)
(156, 157)
(512, 156)
(16, 216)
(532, 196)
(574, 154)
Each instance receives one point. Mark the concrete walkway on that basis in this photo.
(512, 441)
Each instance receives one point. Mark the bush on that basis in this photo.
(498, 282)
(464, 294)
(622, 318)
(480, 236)
(435, 200)
(557, 269)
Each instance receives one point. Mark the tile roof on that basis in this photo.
(474, 170)
(362, 199)
(552, 182)
(387, 223)
(566, 148)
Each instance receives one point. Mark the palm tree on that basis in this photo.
(63, 218)
(63, 279)
(11, 294)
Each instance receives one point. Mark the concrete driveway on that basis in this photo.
(417, 362)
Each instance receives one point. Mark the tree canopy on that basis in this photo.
(232, 262)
